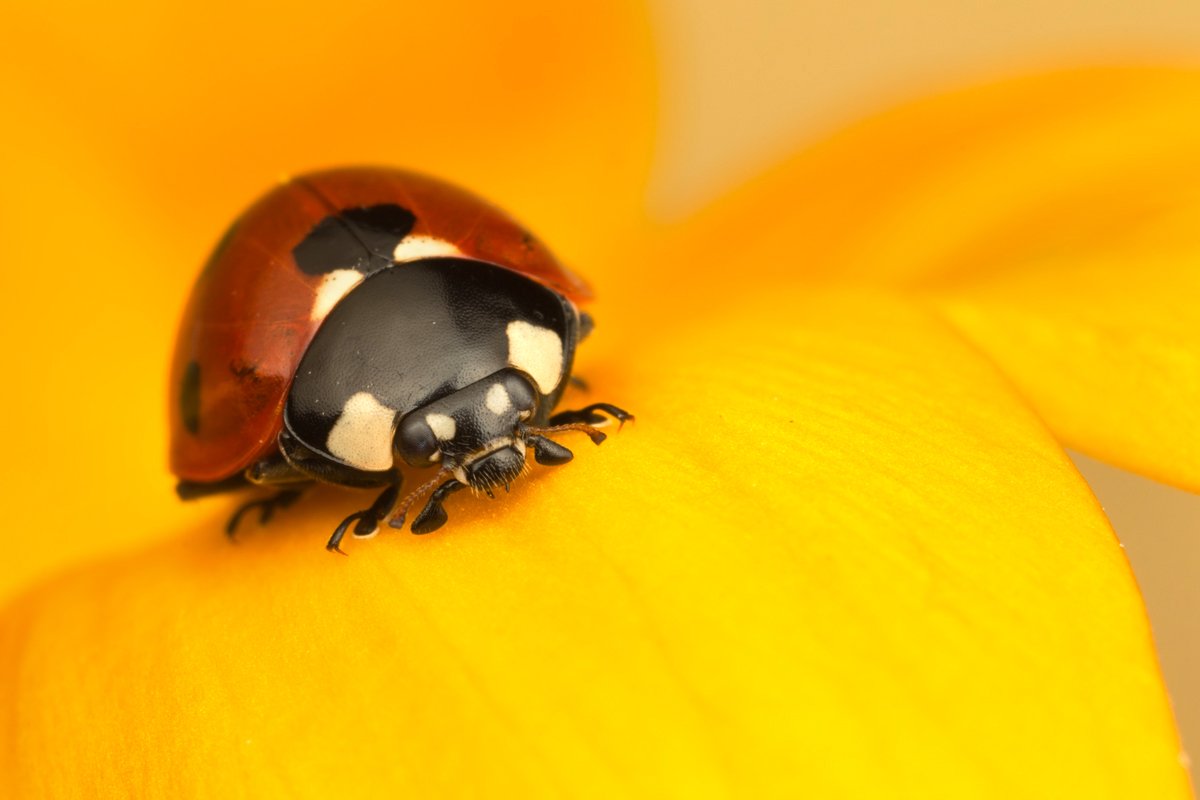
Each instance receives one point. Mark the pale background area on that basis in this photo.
(747, 82)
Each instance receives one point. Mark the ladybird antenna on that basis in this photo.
(397, 520)
(596, 436)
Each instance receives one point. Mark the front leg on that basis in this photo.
(366, 523)
(548, 452)
(551, 453)
(433, 516)
(588, 415)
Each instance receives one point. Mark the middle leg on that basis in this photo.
(268, 505)
(273, 471)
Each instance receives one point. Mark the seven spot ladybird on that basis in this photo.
(356, 318)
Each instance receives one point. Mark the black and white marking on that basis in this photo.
(359, 239)
(409, 336)
(362, 435)
(345, 248)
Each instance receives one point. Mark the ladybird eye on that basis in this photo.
(520, 392)
(416, 442)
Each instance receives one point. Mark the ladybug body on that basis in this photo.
(355, 319)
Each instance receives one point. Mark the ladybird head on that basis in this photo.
(474, 432)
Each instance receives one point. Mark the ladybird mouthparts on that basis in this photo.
(495, 466)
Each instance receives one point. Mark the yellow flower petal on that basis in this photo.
(1106, 347)
(130, 137)
(836, 556)
(1053, 220)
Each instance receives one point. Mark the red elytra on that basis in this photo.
(250, 316)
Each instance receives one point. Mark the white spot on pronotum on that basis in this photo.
(497, 399)
(362, 436)
(443, 427)
(421, 246)
(536, 350)
(334, 287)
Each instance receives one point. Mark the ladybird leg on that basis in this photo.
(272, 471)
(547, 451)
(336, 539)
(579, 383)
(267, 504)
(588, 415)
(191, 490)
(368, 521)
(276, 471)
(433, 516)
(368, 526)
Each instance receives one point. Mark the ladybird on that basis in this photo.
(354, 319)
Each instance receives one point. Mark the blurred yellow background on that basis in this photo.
(746, 83)
(104, 154)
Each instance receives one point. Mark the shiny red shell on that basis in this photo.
(250, 316)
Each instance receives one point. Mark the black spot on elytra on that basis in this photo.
(255, 390)
(362, 239)
(243, 370)
(189, 397)
(380, 228)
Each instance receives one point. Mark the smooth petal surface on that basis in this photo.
(133, 135)
(836, 556)
(1053, 220)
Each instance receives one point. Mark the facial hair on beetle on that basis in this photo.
(480, 437)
